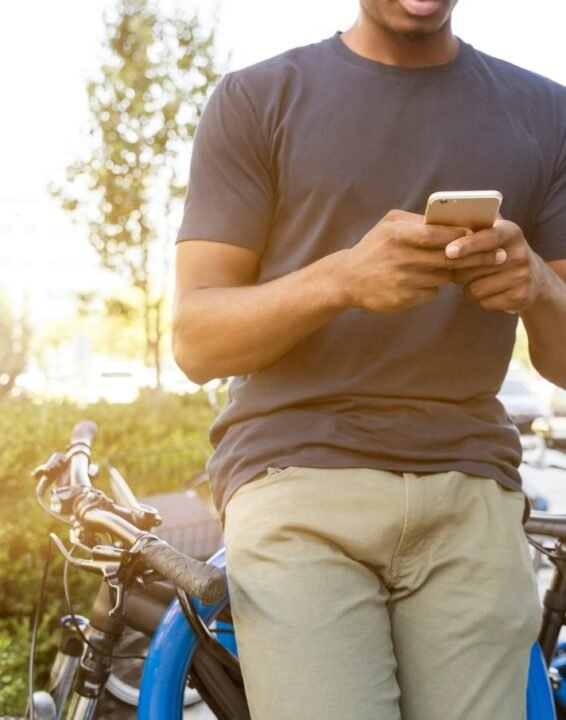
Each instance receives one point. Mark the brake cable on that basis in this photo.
(76, 623)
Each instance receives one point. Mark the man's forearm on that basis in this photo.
(545, 323)
(223, 325)
(224, 331)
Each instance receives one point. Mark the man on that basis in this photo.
(367, 473)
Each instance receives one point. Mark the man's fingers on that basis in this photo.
(488, 285)
(499, 291)
(477, 260)
(435, 237)
(508, 301)
(482, 241)
(493, 238)
(463, 276)
(436, 259)
(403, 216)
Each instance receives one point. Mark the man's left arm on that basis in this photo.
(523, 284)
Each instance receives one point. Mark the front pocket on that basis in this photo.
(271, 475)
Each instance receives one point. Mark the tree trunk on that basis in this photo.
(153, 334)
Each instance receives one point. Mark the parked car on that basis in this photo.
(558, 402)
(520, 402)
(552, 430)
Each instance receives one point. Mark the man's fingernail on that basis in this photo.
(500, 256)
(453, 250)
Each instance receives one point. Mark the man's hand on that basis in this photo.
(511, 285)
(401, 262)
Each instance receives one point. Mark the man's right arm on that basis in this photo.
(225, 324)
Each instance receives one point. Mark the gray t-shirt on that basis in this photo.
(298, 157)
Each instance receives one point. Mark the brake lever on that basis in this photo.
(47, 473)
(119, 577)
(113, 580)
(100, 567)
(110, 571)
(55, 465)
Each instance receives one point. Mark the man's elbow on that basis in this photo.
(554, 372)
(187, 357)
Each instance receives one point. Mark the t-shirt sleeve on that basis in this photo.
(230, 192)
(548, 238)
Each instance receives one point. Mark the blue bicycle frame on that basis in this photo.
(174, 643)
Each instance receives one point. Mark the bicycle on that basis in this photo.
(141, 574)
(192, 639)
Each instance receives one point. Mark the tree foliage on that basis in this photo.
(144, 105)
(14, 347)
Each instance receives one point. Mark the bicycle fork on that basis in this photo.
(66, 661)
(87, 664)
(95, 663)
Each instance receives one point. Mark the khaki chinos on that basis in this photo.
(368, 595)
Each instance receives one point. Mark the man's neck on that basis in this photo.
(373, 42)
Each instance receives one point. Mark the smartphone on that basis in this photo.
(473, 209)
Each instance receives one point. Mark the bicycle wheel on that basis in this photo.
(175, 655)
(120, 698)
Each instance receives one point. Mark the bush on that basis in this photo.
(174, 428)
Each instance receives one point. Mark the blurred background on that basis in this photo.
(100, 101)
(90, 203)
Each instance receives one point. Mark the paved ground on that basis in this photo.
(198, 712)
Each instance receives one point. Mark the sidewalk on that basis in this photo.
(198, 712)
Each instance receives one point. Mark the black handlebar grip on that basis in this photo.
(205, 582)
(84, 432)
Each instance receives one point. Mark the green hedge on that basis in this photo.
(158, 443)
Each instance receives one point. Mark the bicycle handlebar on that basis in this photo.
(84, 433)
(205, 582)
(545, 523)
(78, 453)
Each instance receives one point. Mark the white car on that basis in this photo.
(520, 402)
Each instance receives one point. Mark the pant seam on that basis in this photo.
(394, 573)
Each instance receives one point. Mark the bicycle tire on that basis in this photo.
(120, 697)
